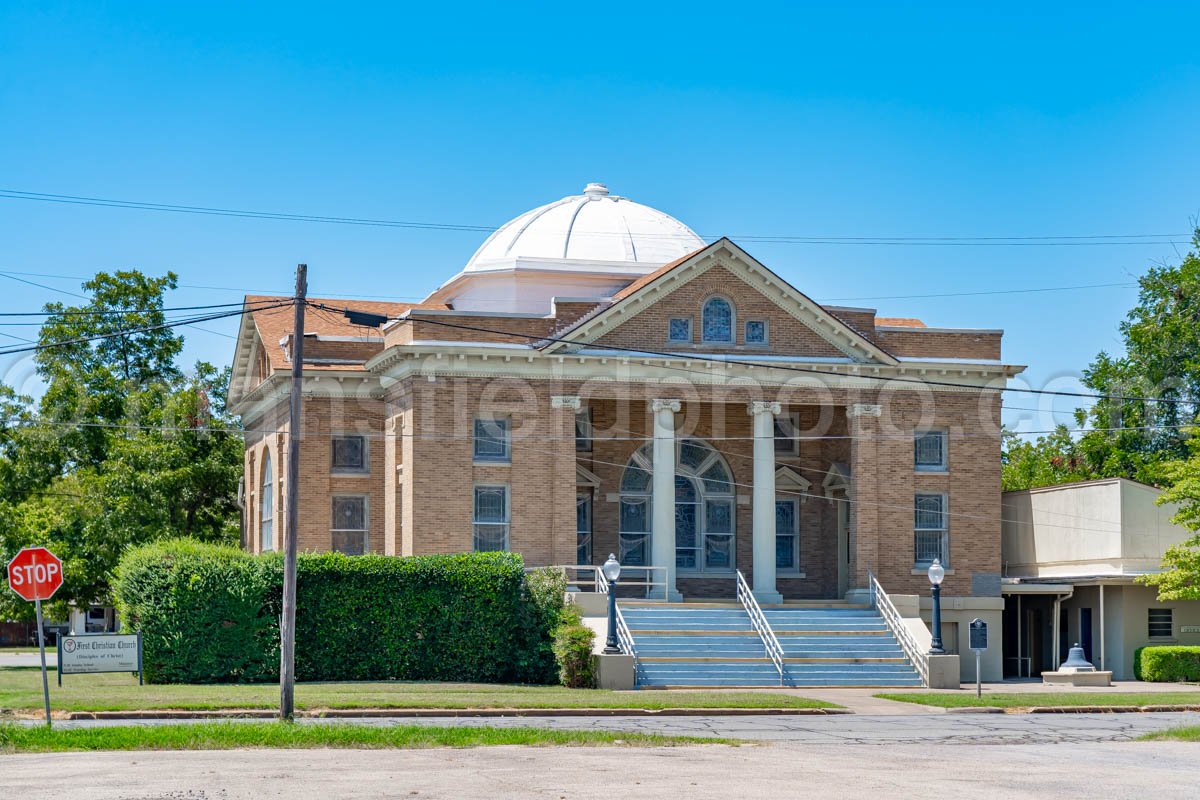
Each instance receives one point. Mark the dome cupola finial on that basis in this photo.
(595, 190)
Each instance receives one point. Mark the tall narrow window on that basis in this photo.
(348, 534)
(787, 535)
(492, 439)
(787, 437)
(583, 528)
(266, 505)
(349, 453)
(929, 451)
(491, 518)
(583, 431)
(929, 540)
(717, 320)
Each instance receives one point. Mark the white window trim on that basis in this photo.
(506, 458)
(792, 419)
(507, 523)
(766, 333)
(690, 337)
(365, 469)
(935, 468)
(365, 530)
(733, 321)
(944, 530)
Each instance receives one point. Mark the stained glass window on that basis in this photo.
(717, 324)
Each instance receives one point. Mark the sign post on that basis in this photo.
(36, 574)
(978, 645)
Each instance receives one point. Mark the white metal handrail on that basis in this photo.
(588, 577)
(624, 635)
(908, 643)
(759, 620)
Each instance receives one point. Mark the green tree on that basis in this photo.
(1180, 576)
(1045, 461)
(122, 448)
(1136, 438)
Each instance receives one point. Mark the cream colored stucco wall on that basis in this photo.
(1099, 528)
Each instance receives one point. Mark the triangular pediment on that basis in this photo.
(788, 479)
(585, 477)
(795, 325)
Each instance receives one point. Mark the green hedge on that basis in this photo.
(210, 614)
(1165, 663)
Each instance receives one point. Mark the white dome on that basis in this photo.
(591, 227)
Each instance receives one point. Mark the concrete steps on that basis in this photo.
(712, 643)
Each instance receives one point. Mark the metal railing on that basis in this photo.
(624, 635)
(883, 604)
(588, 578)
(759, 621)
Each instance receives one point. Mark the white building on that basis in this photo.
(1071, 557)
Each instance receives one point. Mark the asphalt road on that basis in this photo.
(1095, 770)
(940, 729)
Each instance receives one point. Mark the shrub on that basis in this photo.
(211, 614)
(1165, 663)
(573, 650)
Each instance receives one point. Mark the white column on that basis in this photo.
(662, 488)
(763, 502)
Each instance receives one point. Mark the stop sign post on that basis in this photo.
(36, 574)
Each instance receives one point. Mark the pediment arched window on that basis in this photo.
(717, 320)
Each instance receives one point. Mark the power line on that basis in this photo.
(523, 442)
(67, 312)
(417, 298)
(131, 331)
(1036, 241)
(633, 351)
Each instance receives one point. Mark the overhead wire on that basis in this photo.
(939, 240)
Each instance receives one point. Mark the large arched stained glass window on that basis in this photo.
(704, 508)
(717, 320)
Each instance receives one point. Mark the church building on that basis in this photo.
(600, 379)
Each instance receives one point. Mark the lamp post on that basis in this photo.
(937, 573)
(612, 571)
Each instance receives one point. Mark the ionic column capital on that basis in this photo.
(864, 410)
(570, 401)
(665, 405)
(756, 407)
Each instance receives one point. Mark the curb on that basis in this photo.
(1070, 709)
(426, 713)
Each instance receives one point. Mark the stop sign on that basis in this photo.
(35, 573)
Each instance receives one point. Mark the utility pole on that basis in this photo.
(287, 633)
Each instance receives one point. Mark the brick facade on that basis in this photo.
(416, 410)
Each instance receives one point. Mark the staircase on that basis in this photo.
(830, 643)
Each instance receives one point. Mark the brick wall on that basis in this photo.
(786, 334)
(919, 343)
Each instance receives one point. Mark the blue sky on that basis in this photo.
(754, 120)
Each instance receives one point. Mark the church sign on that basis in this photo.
(115, 652)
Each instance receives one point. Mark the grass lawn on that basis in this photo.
(21, 690)
(1027, 699)
(229, 735)
(1185, 734)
